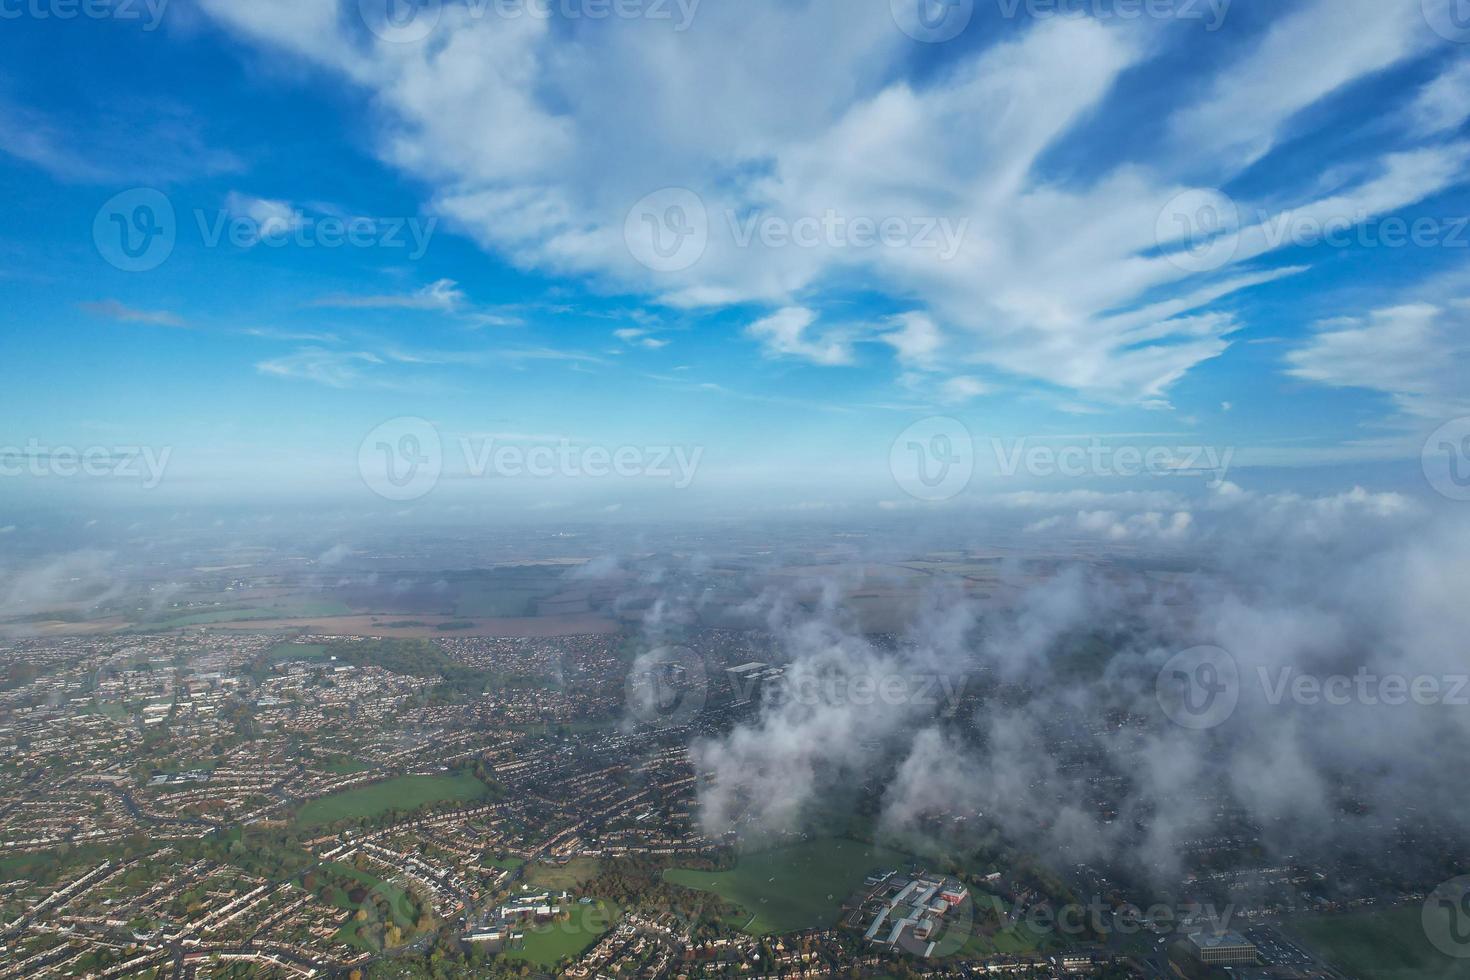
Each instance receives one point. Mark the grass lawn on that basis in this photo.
(509, 864)
(562, 877)
(346, 766)
(1386, 945)
(367, 936)
(548, 945)
(401, 793)
(1020, 937)
(800, 886)
(285, 652)
(282, 609)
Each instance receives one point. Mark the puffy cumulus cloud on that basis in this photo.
(1054, 733)
(823, 158)
(786, 334)
(1111, 526)
(1227, 517)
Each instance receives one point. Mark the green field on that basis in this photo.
(987, 940)
(801, 886)
(284, 652)
(403, 793)
(509, 864)
(562, 877)
(1386, 945)
(345, 766)
(367, 935)
(283, 609)
(550, 944)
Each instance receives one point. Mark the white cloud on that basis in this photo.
(443, 295)
(267, 218)
(916, 341)
(639, 337)
(539, 141)
(335, 369)
(116, 310)
(784, 334)
(1418, 354)
(1444, 104)
(1305, 56)
(961, 389)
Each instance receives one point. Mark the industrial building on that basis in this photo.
(1223, 949)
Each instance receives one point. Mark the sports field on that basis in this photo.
(800, 886)
(402, 793)
(1386, 945)
(548, 945)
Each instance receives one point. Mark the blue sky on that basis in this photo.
(1093, 224)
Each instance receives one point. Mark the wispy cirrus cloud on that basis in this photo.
(443, 296)
(1418, 354)
(116, 310)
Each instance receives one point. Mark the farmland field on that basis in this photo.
(796, 887)
(400, 793)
